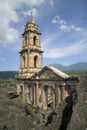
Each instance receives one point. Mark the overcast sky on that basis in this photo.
(63, 24)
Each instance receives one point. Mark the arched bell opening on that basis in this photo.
(34, 40)
(24, 59)
(35, 61)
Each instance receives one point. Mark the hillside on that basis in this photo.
(78, 68)
(8, 74)
(74, 67)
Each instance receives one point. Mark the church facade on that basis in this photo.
(47, 86)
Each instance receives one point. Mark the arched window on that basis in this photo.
(35, 61)
(25, 41)
(23, 61)
(34, 40)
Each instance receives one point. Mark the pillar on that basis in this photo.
(53, 97)
(37, 92)
(34, 96)
(23, 92)
(18, 89)
(44, 99)
(27, 95)
(59, 98)
(56, 95)
(27, 40)
(63, 91)
(26, 60)
(31, 95)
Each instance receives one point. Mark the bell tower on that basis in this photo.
(31, 53)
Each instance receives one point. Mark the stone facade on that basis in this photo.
(44, 87)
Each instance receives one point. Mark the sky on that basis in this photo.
(63, 24)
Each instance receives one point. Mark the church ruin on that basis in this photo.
(40, 86)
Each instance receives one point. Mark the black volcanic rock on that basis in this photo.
(79, 116)
(16, 115)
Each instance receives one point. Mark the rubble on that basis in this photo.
(16, 115)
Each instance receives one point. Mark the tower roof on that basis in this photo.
(31, 21)
(31, 26)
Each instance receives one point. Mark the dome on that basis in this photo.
(31, 25)
(31, 21)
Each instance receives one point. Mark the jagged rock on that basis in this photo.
(29, 111)
(79, 116)
(16, 115)
(12, 94)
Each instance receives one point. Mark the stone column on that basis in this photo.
(63, 91)
(59, 98)
(27, 41)
(27, 95)
(39, 96)
(31, 95)
(53, 97)
(23, 92)
(34, 95)
(22, 62)
(44, 99)
(18, 89)
(56, 95)
(37, 92)
(26, 60)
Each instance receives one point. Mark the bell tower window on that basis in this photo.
(25, 41)
(35, 61)
(34, 40)
(23, 61)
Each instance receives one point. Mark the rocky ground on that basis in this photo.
(16, 115)
(79, 116)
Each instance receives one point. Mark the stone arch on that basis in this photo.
(49, 96)
(35, 61)
(34, 40)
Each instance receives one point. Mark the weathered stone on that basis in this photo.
(79, 117)
(44, 87)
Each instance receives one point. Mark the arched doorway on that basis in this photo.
(49, 96)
